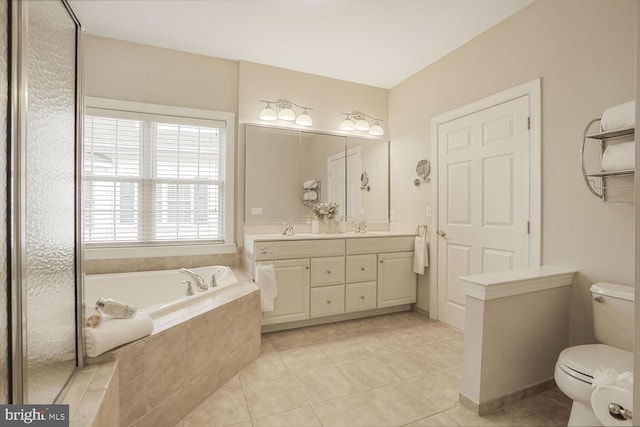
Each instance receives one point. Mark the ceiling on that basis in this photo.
(373, 42)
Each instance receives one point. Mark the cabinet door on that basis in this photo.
(327, 271)
(292, 302)
(327, 300)
(396, 280)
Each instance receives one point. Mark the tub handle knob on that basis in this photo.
(362, 268)
(328, 301)
(214, 281)
(328, 271)
(361, 296)
(189, 291)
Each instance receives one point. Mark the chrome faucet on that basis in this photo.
(214, 281)
(202, 285)
(360, 227)
(189, 291)
(288, 229)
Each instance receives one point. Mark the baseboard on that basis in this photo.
(492, 405)
(419, 310)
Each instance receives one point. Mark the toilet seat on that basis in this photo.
(581, 361)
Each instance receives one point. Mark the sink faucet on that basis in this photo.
(202, 285)
(360, 227)
(288, 229)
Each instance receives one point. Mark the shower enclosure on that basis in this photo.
(40, 111)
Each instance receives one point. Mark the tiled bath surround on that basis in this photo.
(190, 354)
(128, 265)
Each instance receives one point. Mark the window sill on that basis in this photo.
(157, 251)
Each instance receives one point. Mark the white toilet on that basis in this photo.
(613, 323)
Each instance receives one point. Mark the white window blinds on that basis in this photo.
(153, 179)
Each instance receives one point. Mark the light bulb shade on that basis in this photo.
(268, 114)
(376, 130)
(304, 119)
(347, 124)
(362, 124)
(287, 114)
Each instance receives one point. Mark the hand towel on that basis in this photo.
(266, 281)
(116, 332)
(619, 116)
(93, 317)
(310, 195)
(420, 255)
(310, 184)
(619, 156)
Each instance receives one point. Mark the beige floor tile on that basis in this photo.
(299, 417)
(266, 367)
(304, 359)
(539, 410)
(345, 351)
(466, 417)
(233, 382)
(368, 373)
(270, 397)
(324, 384)
(380, 343)
(225, 407)
(243, 424)
(556, 395)
(407, 364)
(443, 354)
(399, 405)
(437, 420)
(356, 410)
(288, 340)
(440, 388)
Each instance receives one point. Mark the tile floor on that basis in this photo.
(392, 370)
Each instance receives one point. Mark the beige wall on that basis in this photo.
(584, 53)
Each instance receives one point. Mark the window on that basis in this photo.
(156, 174)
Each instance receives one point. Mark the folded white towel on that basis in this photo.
(619, 156)
(310, 184)
(116, 332)
(619, 116)
(420, 255)
(266, 281)
(93, 317)
(310, 195)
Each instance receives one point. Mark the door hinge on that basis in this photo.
(528, 227)
(528, 122)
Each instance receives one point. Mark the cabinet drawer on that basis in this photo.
(369, 245)
(302, 248)
(361, 268)
(327, 271)
(327, 300)
(360, 296)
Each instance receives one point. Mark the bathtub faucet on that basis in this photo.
(202, 285)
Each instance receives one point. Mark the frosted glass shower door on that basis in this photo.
(49, 198)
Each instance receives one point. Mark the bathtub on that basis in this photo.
(157, 293)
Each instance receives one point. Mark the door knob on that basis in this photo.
(442, 233)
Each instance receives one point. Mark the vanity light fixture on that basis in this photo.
(358, 121)
(285, 112)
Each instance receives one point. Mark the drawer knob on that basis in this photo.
(307, 267)
(328, 301)
(328, 271)
(362, 268)
(381, 262)
(361, 296)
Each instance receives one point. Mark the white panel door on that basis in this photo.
(483, 199)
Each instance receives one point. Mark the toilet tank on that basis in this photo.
(613, 314)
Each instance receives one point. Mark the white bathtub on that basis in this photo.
(155, 292)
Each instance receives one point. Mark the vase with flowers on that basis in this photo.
(328, 213)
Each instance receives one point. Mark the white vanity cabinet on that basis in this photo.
(335, 277)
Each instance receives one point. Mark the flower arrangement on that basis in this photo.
(326, 210)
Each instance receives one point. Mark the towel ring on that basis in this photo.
(264, 251)
(419, 227)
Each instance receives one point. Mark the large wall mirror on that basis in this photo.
(287, 171)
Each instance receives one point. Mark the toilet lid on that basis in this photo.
(583, 360)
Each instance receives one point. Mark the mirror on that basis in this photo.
(287, 171)
(423, 169)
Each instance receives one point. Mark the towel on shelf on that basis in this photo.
(310, 184)
(115, 332)
(93, 317)
(619, 116)
(619, 156)
(310, 195)
(420, 255)
(266, 281)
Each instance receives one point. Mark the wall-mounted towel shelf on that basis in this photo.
(601, 183)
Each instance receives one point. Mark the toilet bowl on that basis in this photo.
(574, 374)
(613, 324)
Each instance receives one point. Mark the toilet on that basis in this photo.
(613, 324)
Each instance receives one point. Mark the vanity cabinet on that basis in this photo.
(396, 280)
(292, 302)
(340, 277)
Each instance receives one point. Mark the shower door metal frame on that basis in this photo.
(17, 121)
